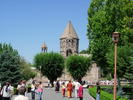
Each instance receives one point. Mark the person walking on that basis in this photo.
(5, 92)
(80, 92)
(33, 88)
(69, 89)
(11, 92)
(40, 90)
(98, 91)
(57, 86)
(22, 84)
(63, 89)
(21, 96)
(18, 86)
(76, 88)
(48, 83)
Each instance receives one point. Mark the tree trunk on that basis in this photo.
(80, 81)
(51, 82)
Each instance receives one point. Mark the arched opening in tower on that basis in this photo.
(69, 52)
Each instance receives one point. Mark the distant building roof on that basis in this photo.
(44, 45)
(69, 32)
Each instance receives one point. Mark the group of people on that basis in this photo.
(76, 87)
(69, 87)
(8, 92)
(36, 89)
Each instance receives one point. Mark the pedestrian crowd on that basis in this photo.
(8, 92)
(68, 87)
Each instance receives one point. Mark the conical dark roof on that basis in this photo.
(69, 32)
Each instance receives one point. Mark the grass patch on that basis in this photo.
(104, 95)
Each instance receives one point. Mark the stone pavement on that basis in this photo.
(50, 94)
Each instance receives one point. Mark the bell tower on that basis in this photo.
(69, 41)
(44, 48)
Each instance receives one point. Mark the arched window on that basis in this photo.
(68, 52)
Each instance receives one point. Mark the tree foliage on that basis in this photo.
(77, 66)
(123, 61)
(50, 64)
(26, 70)
(83, 52)
(104, 18)
(129, 70)
(9, 64)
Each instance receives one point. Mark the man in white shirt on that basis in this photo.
(5, 92)
(77, 85)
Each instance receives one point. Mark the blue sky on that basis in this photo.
(26, 24)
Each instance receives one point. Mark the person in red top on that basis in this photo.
(69, 89)
(80, 92)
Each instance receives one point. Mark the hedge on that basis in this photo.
(104, 95)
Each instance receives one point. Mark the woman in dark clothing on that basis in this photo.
(57, 86)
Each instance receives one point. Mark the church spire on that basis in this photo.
(69, 32)
(69, 41)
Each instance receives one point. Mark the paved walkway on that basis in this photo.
(50, 94)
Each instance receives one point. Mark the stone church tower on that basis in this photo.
(69, 41)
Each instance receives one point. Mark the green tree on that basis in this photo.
(9, 64)
(124, 63)
(84, 52)
(50, 64)
(104, 18)
(123, 60)
(77, 66)
(26, 70)
(129, 72)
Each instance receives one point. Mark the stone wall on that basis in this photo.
(93, 74)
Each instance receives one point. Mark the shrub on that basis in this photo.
(104, 95)
(77, 66)
(51, 65)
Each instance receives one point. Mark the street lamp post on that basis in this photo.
(115, 37)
